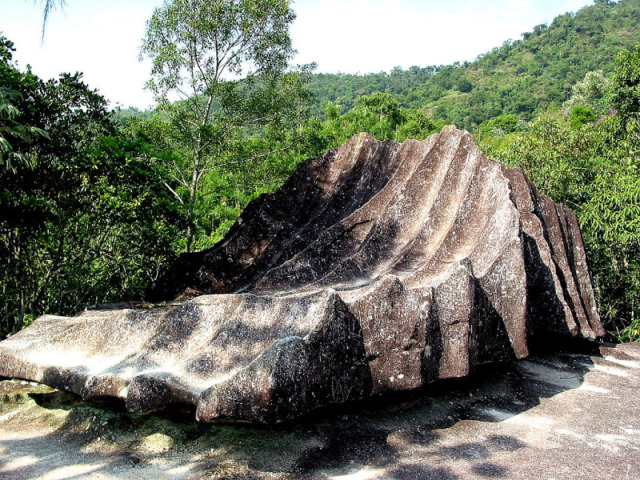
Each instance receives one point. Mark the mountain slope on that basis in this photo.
(519, 77)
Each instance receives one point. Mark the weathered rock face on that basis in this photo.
(377, 267)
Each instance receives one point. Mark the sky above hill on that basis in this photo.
(102, 38)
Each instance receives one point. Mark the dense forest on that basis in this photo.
(96, 203)
(520, 77)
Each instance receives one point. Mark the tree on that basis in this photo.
(625, 94)
(501, 124)
(83, 216)
(11, 129)
(378, 114)
(581, 115)
(594, 168)
(590, 93)
(220, 73)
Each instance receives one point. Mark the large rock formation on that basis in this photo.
(376, 267)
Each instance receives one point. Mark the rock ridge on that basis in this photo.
(376, 267)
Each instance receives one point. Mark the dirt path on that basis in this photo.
(563, 416)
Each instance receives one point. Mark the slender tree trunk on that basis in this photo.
(189, 234)
(193, 191)
(18, 326)
(190, 226)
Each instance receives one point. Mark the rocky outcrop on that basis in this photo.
(377, 267)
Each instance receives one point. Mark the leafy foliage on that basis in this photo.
(590, 93)
(11, 129)
(593, 166)
(83, 220)
(226, 62)
(93, 204)
(625, 93)
(378, 114)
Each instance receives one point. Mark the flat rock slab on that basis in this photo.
(378, 267)
(569, 416)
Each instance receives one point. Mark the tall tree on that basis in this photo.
(220, 71)
(83, 216)
(12, 130)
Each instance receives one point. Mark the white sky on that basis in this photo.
(102, 37)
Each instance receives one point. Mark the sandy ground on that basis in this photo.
(558, 416)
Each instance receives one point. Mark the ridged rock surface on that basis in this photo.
(377, 267)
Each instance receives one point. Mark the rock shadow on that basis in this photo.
(357, 436)
(374, 434)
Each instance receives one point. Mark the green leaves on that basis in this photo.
(521, 77)
(592, 93)
(625, 94)
(581, 115)
(594, 167)
(196, 44)
(11, 128)
(84, 219)
(220, 73)
(378, 114)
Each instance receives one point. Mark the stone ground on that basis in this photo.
(553, 416)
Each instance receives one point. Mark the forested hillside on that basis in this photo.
(520, 77)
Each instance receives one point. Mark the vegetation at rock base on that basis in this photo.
(592, 164)
(95, 202)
